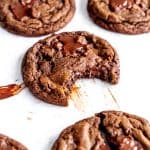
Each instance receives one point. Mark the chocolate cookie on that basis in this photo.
(52, 65)
(7, 143)
(124, 16)
(36, 17)
(109, 130)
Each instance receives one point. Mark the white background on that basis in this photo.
(37, 124)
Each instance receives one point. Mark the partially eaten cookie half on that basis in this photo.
(52, 66)
(109, 130)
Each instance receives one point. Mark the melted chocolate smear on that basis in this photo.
(20, 10)
(70, 45)
(10, 90)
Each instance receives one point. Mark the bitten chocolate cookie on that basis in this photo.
(109, 130)
(7, 143)
(51, 66)
(36, 17)
(124, 16)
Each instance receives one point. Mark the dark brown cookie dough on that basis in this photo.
(36, 17)
(52, 65)
(124, 16)
(109, 130)
(7, 143)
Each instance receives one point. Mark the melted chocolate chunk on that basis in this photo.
(22, 9)
(19, 10)
(69, 44)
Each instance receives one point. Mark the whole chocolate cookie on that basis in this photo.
(36, 17)
(124, 16)
(51, 66)
(109, 130)
(6, 143)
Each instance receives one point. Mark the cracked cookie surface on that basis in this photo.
(52, 66)
(124, 16)
(109, 130)
(36, 17)
(6, 143)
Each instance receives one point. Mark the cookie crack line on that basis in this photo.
(51, 67)
(35, 17)
(107, 130)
